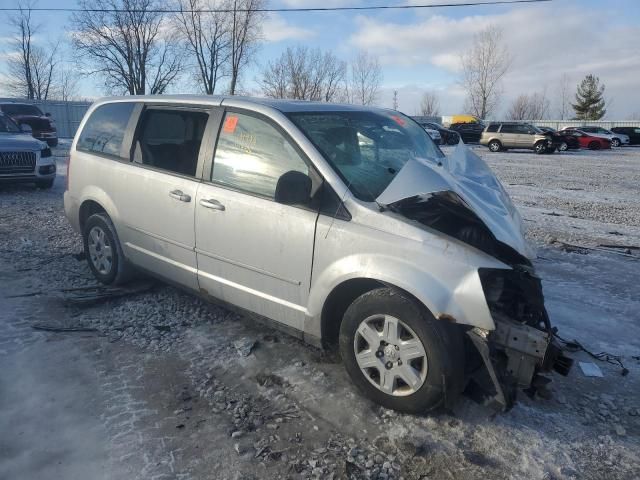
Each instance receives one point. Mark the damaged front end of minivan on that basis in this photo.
(468, 203)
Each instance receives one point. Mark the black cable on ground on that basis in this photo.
(574, 346)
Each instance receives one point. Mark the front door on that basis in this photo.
(158, 193)
(252, 251)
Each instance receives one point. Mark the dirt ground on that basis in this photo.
(155, 385)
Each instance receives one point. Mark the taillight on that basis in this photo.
(68, 171)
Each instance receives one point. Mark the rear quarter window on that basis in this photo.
(105, 129)
(493, 127)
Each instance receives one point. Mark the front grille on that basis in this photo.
(17, 162)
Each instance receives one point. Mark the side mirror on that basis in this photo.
(47, 114)
(293, 188)
(26, 128)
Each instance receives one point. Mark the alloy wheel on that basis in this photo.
(390, 355)
(100, 251)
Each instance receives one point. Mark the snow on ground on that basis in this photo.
(160, 390)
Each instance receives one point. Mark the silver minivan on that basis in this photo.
(344, 225)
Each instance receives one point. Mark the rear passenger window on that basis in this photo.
(506, 128)
(105, 129)
(252, 155)
(170, 139)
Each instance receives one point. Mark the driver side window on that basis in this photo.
(252, 155)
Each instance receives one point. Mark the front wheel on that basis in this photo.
(398, 354)
(615, 142)
(563, 147)
(540, 148)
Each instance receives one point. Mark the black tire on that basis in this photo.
(594, 146)
(53, 142)
(615, 142)
(45, 184)
(495, 146)
(442, 343)
(540, 147)
(563, 147)
(453, 140)
(120, 270)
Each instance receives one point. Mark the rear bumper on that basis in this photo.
(72, 211)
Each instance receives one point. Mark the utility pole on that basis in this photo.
(395, 99)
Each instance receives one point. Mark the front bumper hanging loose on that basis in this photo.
(523, 346)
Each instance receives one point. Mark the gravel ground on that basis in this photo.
(164, 385)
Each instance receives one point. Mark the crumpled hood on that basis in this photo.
(471, 179)
(19, 141)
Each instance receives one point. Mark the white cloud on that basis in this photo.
(276, 29)
(546, 42)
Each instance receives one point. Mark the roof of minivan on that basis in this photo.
(278, 104)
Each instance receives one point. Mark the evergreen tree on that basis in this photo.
(589, 102)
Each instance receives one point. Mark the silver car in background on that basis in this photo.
(341, 224)
(23, 159)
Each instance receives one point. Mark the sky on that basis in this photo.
(419, 49)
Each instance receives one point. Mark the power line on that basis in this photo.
(277, 10)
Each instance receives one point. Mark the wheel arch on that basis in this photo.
(95, 200)
(462, 302)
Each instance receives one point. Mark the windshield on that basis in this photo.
(7, 125)
(17, 109)
(367, 149)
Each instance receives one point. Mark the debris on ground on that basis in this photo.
(244, 346)
(590, 369)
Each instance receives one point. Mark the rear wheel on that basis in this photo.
(103, 251)
(398, 354)
(594, 145)
(495, 146)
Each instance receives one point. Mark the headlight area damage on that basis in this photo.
(522, 346)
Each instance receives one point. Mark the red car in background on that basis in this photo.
(586, 140)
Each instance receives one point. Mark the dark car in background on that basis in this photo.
(469, 132)
(22, 157)
(632, 132)
(564, 142)
(447, 136)
(587, 140)
(42, 125)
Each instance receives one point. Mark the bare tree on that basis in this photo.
(126, 42)
(206, 36)
(564, 97)
(31, 67)
(67, 85)
(533, 106)
(246, 17)
(483, 67)
(366, 78)
(304, 74)
(429, 105)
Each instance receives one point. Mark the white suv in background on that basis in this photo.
(616, 139)
(341, 224)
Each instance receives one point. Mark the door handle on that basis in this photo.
(178, 195)
(212, 204)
